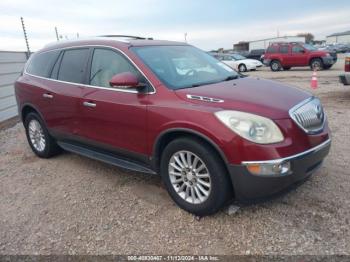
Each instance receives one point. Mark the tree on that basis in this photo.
(308, 37)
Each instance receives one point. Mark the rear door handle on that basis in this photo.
(89, 104)
(47, 95)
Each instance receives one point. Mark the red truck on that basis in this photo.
(284, 56)
(345, 78)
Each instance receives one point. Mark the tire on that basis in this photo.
(213, 174)
(316, 64)
(275, 65)
(39, 139)
(242, 68)
(286, 68)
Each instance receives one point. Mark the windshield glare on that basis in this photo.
(183, 66)
(309, 47)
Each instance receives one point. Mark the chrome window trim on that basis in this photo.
(97, 87)
(291, 111)
(293, 157)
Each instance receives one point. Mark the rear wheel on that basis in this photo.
(39, 139)
(316, 64)
(195, 176)
(242, 68)
(275, 65)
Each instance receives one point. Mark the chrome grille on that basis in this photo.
(309, 115)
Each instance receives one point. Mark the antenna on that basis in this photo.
(25, 37)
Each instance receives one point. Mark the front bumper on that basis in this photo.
(344, 79)
(328, 60)
(250, 67)
(267, 62)
(252, 188)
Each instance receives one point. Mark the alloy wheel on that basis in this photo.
(36, 135)
(275, 66)
(316, 65)
(189, 177)
(242, 68)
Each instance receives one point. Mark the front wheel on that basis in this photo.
(275, 66)
(316, 64)
(242, 68)
(195, 176)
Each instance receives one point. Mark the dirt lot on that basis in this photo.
(73, 205)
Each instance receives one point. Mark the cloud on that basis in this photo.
(208, 26)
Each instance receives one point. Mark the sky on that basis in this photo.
(209, 24)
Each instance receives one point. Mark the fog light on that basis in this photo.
(269, 169)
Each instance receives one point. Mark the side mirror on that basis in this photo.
(302, 51)
(125, 80)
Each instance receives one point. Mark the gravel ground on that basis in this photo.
(73, 205)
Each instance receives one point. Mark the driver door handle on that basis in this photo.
(89, 104)
(47, 95)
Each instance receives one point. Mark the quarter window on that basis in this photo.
(41, 63)
(107, 63)
(73, 65)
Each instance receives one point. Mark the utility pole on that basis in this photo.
(25, 37)
(56, 33)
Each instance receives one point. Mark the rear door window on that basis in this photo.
(54, 72)
(73, 65)
(41, 63)
(284, 49)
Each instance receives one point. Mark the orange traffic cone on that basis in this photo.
(314, 83)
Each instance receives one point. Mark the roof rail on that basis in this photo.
(287, 42)
(128, 36)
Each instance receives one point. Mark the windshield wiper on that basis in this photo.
(231, 77)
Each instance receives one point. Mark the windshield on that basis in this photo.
(238, 57)
(309, 47)
(184, 66)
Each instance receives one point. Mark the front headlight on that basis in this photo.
(252, 127)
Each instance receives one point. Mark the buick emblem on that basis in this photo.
(319, 112)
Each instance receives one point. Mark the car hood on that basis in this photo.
(320, 52)
(258, 96)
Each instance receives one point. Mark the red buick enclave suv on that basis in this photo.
(169, 108)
